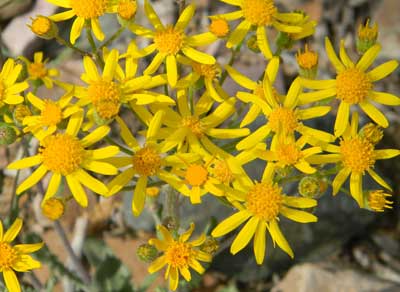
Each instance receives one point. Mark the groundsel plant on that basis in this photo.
(194, 138)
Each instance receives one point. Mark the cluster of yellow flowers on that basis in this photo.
(183, 143)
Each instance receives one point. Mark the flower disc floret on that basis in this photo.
(194, 125)
(264, 201)
(127, 9)
(222, 172)
(353, 85)
(357, 154)
(7, 256)
(37, 70)
(51, 114)
(288, 154)
(41, 25)
(307, 59)
(62, 153)
(283, 119)
(105, 96)
(178, 254)
(219, 27)
(207, 71)
(89, 8)
(259, 12)
(196, 175)
(169, 41)
(146, 161)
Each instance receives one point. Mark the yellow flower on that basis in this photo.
(260, 13)
(366, 37)
(15, 258)
(37, 70)
(127, 9)
(377, 201)
(356, 154)
(146, 161)
(353, 86)
(53, 208)
(107, 92)
(86, 11)
(262, 203)
(178, 255)
(170, 41)
(192, 130)
(9, 89)
(65, 155)
(52, 113)
(308, 63)
(209, 74)
(219, 27)
(287, 152)
(283, 115)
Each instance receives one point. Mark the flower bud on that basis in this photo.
(373, 133)
(53, 208)
(147, 253)
(367, 36)
(219, 27)
(126, 11)
(152, 192)
(211, 245)
(8, 135)
(312, 187)
(377, 201)
(252, 44)
(308, 63)
(20, 112)
(44, 27)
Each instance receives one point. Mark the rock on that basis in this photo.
(10, 9)
(16, 35)
(329, 278)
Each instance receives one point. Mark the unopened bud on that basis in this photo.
(311, 187)
(8, 135)
(44, 27)
(211, 245)
(367, 36)
(373, 133)
(308, 63)
(20, 112)
(152, 192)
(126, 11)
(147, 253)
(219, 27)
(53, 208)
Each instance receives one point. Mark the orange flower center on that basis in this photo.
(264, 200)
(7, 256)
(219, 27)
(105, 96)
(259, 12)
(196, 175)
(357, 154)
(41, 25)
(308, 59)
(169, 41)
(89, 8)
(37, 70)
(127, 9)
(146, 161)
(283, 119)
(178, 254)
(62, 153)
(352, 85)
(288, 154)
(207, 71)
(377, 201)
(222, 172)
(51, 114)
(194, 125)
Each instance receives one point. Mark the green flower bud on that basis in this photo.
(8, 135)
(146, 253)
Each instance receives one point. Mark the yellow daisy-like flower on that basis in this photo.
(209, 74)
(37, 70)
(262, 203)
(9, 90)
(192, 131)
(178, 255)
(288, 152)
(64, 155)
(378, 201)
(15, 258)
(170, 41)
(107, 92)
(52, 113)
(260, 13)
(283, 117)
(353, 86)
(356, 154)
(146, 161)
(86, 11)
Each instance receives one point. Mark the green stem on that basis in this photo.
(122, 148)
(231, 61)
(63, 42)
(112, 38)
(92, 43)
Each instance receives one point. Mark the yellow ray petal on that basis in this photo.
(230, 223)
